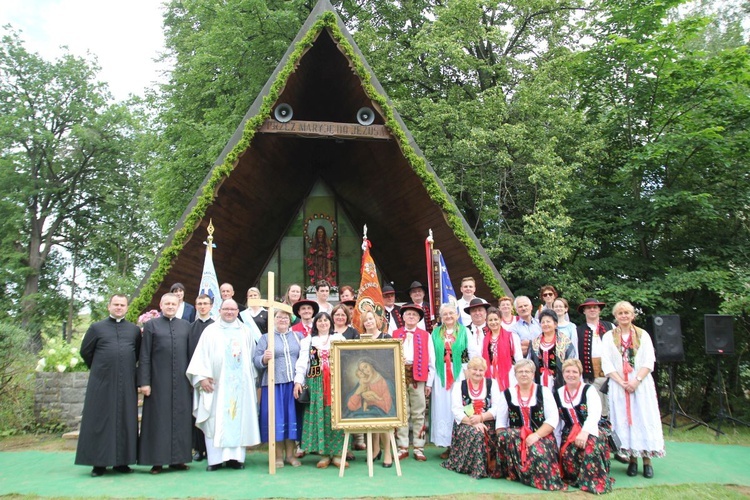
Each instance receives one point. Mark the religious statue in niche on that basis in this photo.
(320, 259)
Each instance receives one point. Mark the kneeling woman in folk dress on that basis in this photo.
(584, 452)
(526, 418)
(474, 440)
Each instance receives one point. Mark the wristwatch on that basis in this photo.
(639, 379)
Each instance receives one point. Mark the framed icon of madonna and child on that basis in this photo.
(367, 385)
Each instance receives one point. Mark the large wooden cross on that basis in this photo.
(272, 307)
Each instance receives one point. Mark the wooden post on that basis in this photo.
(272, 306)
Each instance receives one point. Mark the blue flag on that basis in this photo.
(209, 282)
(447, 294)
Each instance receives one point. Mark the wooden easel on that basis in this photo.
(394, 451)
(272, 306)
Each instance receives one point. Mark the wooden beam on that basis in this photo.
(303, 128)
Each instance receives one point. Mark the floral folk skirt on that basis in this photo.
(542, 468)
(317, 434)
(474, 452)
(588, 468)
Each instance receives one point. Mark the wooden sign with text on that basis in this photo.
(326, 129)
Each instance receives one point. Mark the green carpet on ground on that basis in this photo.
(53, 474)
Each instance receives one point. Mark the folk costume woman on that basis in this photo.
(628, 360)
(474, 441)
(584, 451)
(549, 351)
(526, 418)
(501, 350)
(286, 354)
(313, 365)
(452, 350)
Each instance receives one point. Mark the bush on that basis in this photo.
(16, 381)
(58, 355)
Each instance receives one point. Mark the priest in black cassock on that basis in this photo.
(166, 425)
(109, 427)
(203, 305)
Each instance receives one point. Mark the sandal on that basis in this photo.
(294, 462)
(419, 455)
(279, 463)
(337, 462)
(323, 463)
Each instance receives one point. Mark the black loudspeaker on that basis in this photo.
(719, 334)
(668, 338)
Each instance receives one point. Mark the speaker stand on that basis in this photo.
(675, 410)
(723, 414)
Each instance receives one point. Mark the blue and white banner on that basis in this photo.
(209, 282)
(447, 293)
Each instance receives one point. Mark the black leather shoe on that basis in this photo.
(122, 469)
(377, 457)
(387, 465)
(648, 471)
(234, 464)
(632, 469)
(197, 456)
(156, 469)
(212, 468)
(98, 471)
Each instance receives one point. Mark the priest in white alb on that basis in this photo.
(223, 377)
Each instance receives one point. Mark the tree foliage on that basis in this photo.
(68, 170)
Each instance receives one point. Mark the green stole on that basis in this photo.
(457, 350)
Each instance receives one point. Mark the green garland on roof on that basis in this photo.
(328, 21)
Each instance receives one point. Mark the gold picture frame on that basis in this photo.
(367, 385)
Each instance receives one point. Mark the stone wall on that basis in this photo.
(60, 396)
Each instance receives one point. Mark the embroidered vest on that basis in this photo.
(515, 417)
(466, 397)
(581, 409)
(421, 365)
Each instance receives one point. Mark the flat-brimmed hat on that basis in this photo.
(387, 289)
(476, 302)
(305, 302)
(590, 302)
(416, 284)
(415, 308)
(350, 302)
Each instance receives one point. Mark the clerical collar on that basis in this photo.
(204, 320)
(116, 320)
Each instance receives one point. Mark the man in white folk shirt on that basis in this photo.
(223, 375)
(477, 310)
(419, 370)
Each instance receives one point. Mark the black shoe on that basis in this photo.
(387, 465)
(122, 469)
(648, 471)
(234, 464)
(156, 469)
(212, 468)
(180, 467)
(377, 457)
(197, 456)
(98, 471)
(632, 469)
